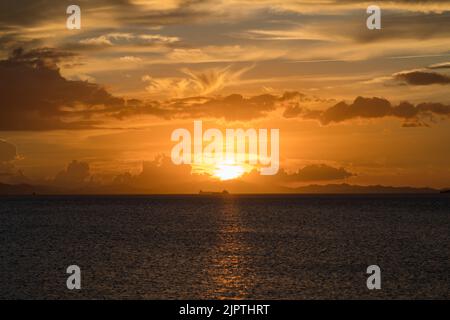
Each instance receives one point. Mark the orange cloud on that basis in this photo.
(162, 176)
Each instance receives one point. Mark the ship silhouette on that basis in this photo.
(211, 193)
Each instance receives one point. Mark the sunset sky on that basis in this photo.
(97, 106)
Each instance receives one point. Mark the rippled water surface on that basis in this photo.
(192, 247)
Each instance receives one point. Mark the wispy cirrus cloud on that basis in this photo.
(195, 83)
(443, 65)
(130, 59)
(127, 39)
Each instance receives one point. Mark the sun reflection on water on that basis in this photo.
(229, 269)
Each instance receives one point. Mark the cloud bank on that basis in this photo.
(36, 97)
(376, 108)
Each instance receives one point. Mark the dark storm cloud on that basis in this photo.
(34, 94)
(372, 108)
(421, 78)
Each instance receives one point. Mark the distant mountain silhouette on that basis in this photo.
(347, 188)
(25, 189)
(238, 187)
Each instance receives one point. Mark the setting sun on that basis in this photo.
(181, 150)
(228, 172)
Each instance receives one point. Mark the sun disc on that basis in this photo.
(228, 172)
